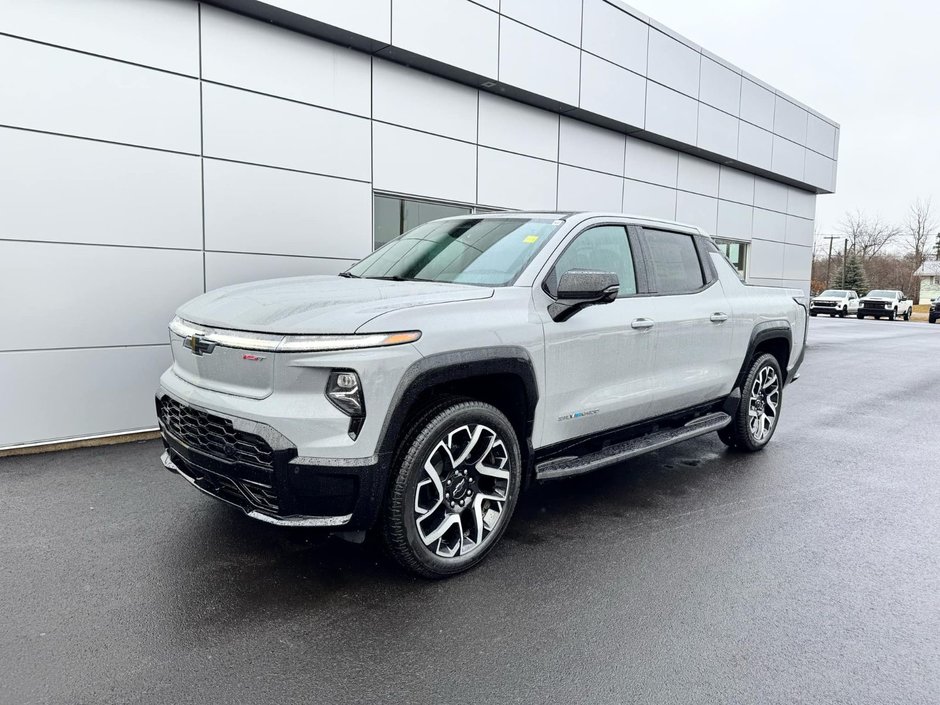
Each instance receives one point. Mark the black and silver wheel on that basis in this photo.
(842, 311)
(907, 315)
(454, 489)
(755, 421)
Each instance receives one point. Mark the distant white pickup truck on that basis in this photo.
(835, 302)
(889, 303)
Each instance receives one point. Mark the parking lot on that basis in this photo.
(809, 572)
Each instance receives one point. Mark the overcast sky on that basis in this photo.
(872, 67)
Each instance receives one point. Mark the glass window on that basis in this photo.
(490, 251)
(601, 249)
(675, 262)
(394, 216)
(736, 252)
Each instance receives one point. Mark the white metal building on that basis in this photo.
(154, 149)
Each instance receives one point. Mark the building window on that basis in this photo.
(736, 252)
(394, 215)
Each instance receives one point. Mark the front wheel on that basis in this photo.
(456, 482)
(907, 315)
(893, 315)
(842, 313)
(755, 421)
(860, 316)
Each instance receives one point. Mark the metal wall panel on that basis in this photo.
(239, 51)
(226, 268)
(790, 120)
(412, 162)
(789, 158)
(770, 194)
(735, 220)
(797, 261)
(70, 393)
(757, 104)
(755, 145)
(258, 209)
(799, 232)
(673, 63)
(766, 260)
(720, 87)
(68, 190)
(650, 162)
(370, 18)
(770, 225)
(560, 18)
(591, 147)
(516, 127)
(671, 114)
(261, 130)
(456, 32)
(580, 189)
(424, 102)
(717, 131)
(75, 94)
(736, 186)
(615, 35)
(538, 63)
(610, 90)
(159, 33)
(70, 296)
(641, 198)
(512, 181)
(695, 209)
(697, 175)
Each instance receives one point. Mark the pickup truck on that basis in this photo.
(835, 302)
(418, 393)
(885, 302)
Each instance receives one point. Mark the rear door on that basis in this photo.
(597, 363)
(692, 342)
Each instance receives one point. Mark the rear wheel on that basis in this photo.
(755, 421)
(456, 482)
(907, 315)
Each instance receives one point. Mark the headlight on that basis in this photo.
(345, 393)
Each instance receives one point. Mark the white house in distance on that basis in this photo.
(929, 274)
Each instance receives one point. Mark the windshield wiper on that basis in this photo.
(392, 278)
(348, 275)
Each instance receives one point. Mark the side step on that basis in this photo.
(568, 466)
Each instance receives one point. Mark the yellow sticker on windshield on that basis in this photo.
(529, 239)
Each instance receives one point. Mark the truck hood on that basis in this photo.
(317, 304)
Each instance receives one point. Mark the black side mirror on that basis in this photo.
(580, 288)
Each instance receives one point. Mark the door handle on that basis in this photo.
(719, 317)
(642, 324)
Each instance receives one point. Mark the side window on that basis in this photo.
(604, 249)
(674, 261)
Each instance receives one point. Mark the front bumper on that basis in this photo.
(251, 466)
(826, 309)
(874, 311)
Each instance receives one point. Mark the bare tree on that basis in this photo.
(920, 228)
(868, 234)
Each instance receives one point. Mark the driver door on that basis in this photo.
(597, 363)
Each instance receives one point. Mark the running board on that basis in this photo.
(569, 465)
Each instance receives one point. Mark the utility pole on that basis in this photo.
(937, 247)
(845, 257)
(830, 238)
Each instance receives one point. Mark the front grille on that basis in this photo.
(877, 305)
(824, 304)
(214, 435)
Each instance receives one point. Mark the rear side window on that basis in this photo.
(674, 261)
(604, 248)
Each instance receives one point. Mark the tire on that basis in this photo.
(418, 528)
(893, 315)
(842, 313)
(741, 433)
(860, 316)
(907, 315)
(832, 315)
(813, 314)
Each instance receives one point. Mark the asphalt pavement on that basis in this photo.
(808, 573)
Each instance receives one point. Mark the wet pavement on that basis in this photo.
(809, 572)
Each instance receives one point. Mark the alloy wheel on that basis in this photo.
(461, 496)
(764, 403)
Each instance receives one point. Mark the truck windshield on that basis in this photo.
(834, 294)
(482, 251)
(882, 294)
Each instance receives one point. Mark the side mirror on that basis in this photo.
(580, 288)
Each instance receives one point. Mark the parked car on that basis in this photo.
(835, 302)
(421, 390)
(887, 303)
(933, 314)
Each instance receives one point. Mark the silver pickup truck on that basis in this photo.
(420, 392)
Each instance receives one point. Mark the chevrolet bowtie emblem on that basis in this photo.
(199, 346)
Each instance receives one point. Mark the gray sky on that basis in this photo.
(873, 67)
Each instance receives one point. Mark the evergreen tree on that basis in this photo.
(851, 276)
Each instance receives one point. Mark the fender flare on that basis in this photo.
(442, 368)
(767, 330)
